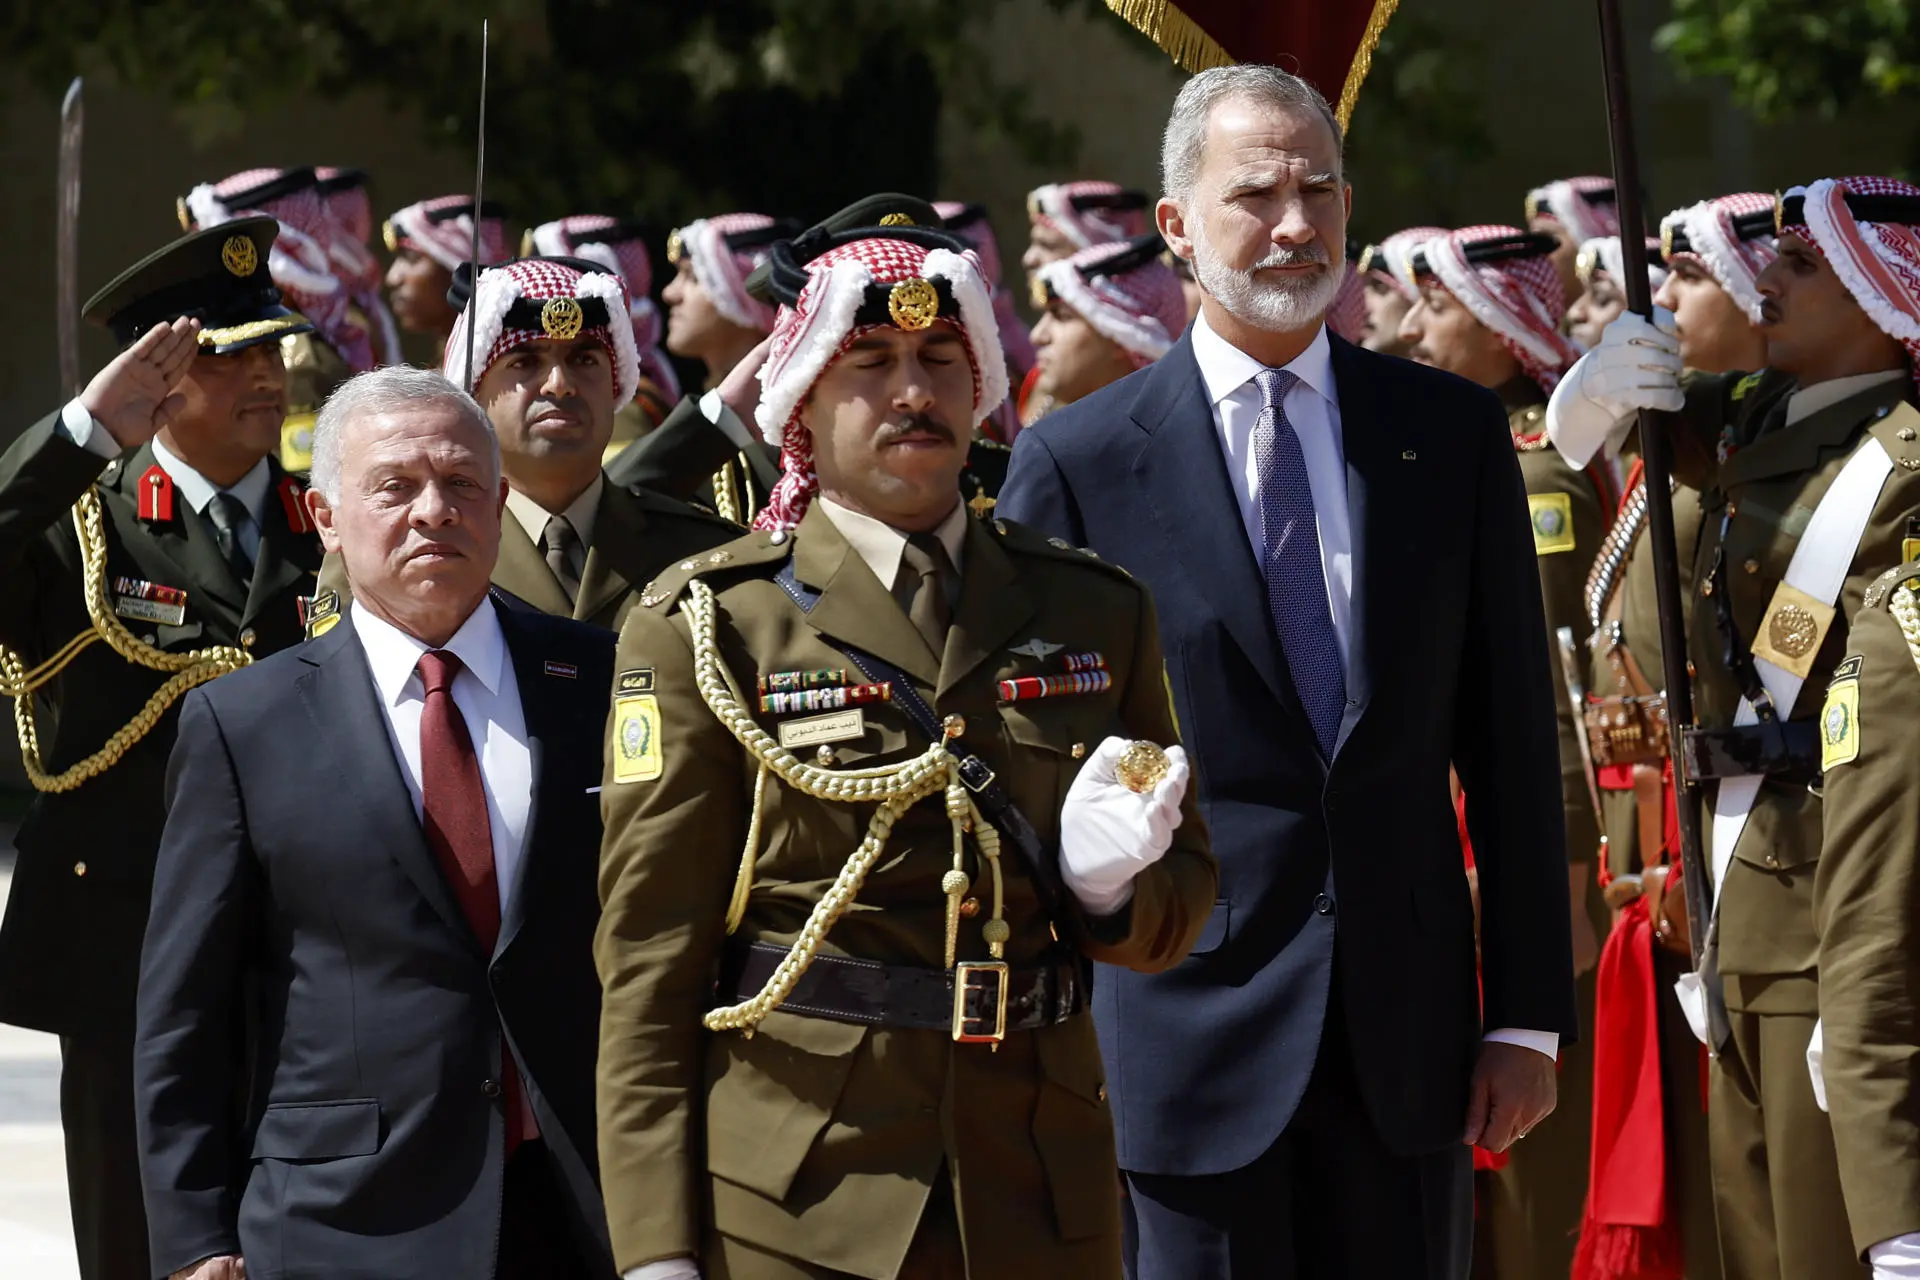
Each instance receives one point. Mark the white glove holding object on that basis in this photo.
(666, 1269)
(1109, 833)
(1636, 366)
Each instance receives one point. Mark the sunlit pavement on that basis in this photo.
(36, 1235)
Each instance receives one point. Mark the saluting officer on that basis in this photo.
(1810, 477)
(557, 362)
(893, 773)
(149, 542)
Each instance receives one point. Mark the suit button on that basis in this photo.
(1773, 861)
(247, 638)
(1323, 904)
(1101, 1093)
(954, 726)
(79, 868)
(1751, 566)
(490, 1088)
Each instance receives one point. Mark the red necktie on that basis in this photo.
(453, 813)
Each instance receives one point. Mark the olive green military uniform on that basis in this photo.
(1867, 909)
(314, 369)
(818, 1147)
(636, 536)
(1776, 1184)
(1635, 630)
(70, 944)
(1532, 1207)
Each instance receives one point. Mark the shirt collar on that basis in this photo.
(394, 655)
(1225, 368)
(881, 545)
(580, 514)
(251, 488)
(1824, 395)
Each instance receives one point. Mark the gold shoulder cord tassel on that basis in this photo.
(1906, 611)
(895, 788)
(186, 670)
(726, 498)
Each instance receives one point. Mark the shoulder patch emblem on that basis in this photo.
(1552, 517)
(1745, 385)
(633, 680)
(1840, 717)
(636, 747)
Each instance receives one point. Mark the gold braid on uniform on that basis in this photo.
(186, 670)
(1906, 611)
(894, 788)
(726, 499)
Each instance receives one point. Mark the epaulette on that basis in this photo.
(1020, 537)
(757, 548)
(1898, 430)
(1746, 384)
(1882, 587)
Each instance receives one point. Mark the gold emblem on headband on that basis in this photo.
(1779, 213)
(561, 318)
(180, 212)
(1666, 240)
(1533, 206)
(913, 304)
(896, 220)
(1037, 292)
(675, 249)
(527, 247)
(1033, 204)
(239, 256)
(1585, 264)
(1367, 257)
(392, 237)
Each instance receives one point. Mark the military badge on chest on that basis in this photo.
(1077, 674)
(152, 602)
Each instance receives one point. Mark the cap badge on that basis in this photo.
(675, 249)
(180, 212)
(392, 237)
(1037, 293)
(239, 256)
(896, 220)
(913, 304)
(561, 318)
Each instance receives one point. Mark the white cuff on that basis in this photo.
(1096, 902)
(1547, 1042)
(665, 1269)
(1896, 1259)
(711, 407)
(85, 432)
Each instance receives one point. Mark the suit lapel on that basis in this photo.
(539, 713)
(350, 730)
(854, 606)
(522, 571)
(993, 607)
(1377, 506)
(619, 524)
(1183, 472)
(1798, 447)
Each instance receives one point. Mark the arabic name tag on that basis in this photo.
(813, 731)
(162, 612)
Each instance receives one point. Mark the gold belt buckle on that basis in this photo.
(966, 976)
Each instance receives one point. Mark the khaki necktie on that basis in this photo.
(559, 543)
(925, 572)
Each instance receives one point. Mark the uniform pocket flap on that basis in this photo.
(318, 1130)
(1060, 724)
(772, 1095)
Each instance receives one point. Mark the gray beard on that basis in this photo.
(1275, 306)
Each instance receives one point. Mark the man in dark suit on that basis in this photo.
(368, 1010)
(1338, 546)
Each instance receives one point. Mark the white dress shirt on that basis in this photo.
(488, 697)
(252, 489)
(1312, 406)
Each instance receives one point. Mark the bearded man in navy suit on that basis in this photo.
(1339, 548)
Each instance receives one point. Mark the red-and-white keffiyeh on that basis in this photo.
(1053, 205)
(1715, 244)
(1604, 255)
(537, 280)
(1347, 313)
(1392, 258)
(720, 269)
(599, 239)
(1584, 206)
(1142, 310)
(442, 228)
(299, 262)
(1517, 298)
(343, 196)
(1879, 262)
(820, 325)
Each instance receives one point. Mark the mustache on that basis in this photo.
(1314, 254)
(919, 423)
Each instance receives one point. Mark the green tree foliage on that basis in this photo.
(1419, 123)
(652, 107)
(1780, 57)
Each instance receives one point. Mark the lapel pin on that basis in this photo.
(564, 670)
(1407, 455)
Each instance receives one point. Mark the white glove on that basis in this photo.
(1816, 1050)
(1109, 834)
(1896, 1259)
(666, 1269)
(1636, 366)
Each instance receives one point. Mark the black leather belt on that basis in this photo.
(975, 1003)
(1788, 750)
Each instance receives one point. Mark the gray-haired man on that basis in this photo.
(368, 1012)
(1292, 1100)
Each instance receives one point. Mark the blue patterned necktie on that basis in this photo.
(1291, 566)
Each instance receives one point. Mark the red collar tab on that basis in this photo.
(156, 494)
(291, 494)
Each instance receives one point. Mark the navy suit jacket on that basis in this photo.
(320, 1033)
(1359, 859)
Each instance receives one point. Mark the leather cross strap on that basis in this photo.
(873, 994)
(975, 772)
(1785, 750)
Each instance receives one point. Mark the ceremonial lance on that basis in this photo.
(1658, 452)
(66, 250)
